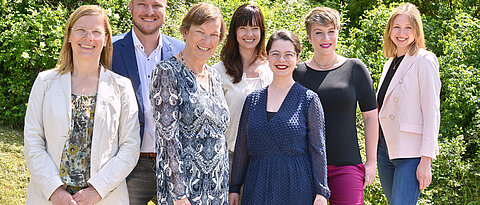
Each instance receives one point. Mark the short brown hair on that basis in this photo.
(201, 13)
(323, 16)
(65, 60)
(389, 47)
(286, 36)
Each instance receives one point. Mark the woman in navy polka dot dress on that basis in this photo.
(280, 149)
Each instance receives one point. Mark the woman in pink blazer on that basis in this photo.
(409, 108)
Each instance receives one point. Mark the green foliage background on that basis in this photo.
(32, 32)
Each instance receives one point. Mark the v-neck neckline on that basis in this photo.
(280, 109)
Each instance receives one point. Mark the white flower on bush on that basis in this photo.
(109, 11)
(25, 55)
(42, 44)
(116, 16)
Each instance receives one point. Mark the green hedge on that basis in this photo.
(32, 31)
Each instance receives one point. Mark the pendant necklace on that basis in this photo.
(396, 62)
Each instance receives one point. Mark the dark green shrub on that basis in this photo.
(461, 81)
(32, 32)
(29, 42)
(454, 39)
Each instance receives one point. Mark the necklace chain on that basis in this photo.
(201, 74)
(326, 66)
(397, 63)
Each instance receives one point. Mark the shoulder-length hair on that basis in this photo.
(65, 60)
(250, 15)
(389, 47)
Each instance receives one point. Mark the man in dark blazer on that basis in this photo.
(135, 54)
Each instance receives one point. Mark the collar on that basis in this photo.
(138, 44)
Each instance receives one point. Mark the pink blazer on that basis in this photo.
(410, 115)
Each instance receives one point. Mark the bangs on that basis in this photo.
(249, 17)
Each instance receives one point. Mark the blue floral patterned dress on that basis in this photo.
(75, 162)
(190, 122)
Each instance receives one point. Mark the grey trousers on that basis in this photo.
(142, 182)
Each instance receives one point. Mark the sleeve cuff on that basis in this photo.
(325, 192)
(429, 152)
(51, 187)
(99, 185)
(234, 190)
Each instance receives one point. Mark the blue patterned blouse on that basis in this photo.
(190, 122)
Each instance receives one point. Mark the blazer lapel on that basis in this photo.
(66, 81)
(130, 60)
(166, 48)
(397, 79)
(104, 92)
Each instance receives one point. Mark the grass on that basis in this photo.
(14, 176)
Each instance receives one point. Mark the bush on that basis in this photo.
(32, 32)
(29, 42)
(452, 38)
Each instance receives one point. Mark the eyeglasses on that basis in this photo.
(81, 32)
(287, 55)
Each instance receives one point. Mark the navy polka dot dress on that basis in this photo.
(281, 160)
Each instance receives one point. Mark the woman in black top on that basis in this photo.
(341, 83)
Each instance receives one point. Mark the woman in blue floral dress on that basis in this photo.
(191, 116)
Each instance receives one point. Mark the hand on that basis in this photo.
(320, 200)
(370, 173)
(424, 172)
(183, 201)
(87, 196)
(61, 196)
(233, 198)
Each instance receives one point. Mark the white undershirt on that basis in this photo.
(145, 67)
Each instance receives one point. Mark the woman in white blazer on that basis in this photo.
(409, 108)
(81, 127)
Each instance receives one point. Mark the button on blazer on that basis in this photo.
(410, 115)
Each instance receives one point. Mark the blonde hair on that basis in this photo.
(389, 47)
(323, 16)
(65, 60)
(201, 13)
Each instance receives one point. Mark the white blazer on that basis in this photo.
(115, 141)
(410, 115)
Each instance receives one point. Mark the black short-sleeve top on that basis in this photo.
(339, 90)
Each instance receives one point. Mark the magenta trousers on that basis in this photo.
(346, 184)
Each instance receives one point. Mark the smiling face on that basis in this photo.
(248, 36)
(282, 58)
(87, 37)
(323, 38)
(402, 34)
(147, 15)
(202, 40)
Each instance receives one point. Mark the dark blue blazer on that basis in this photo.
(125, 63)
